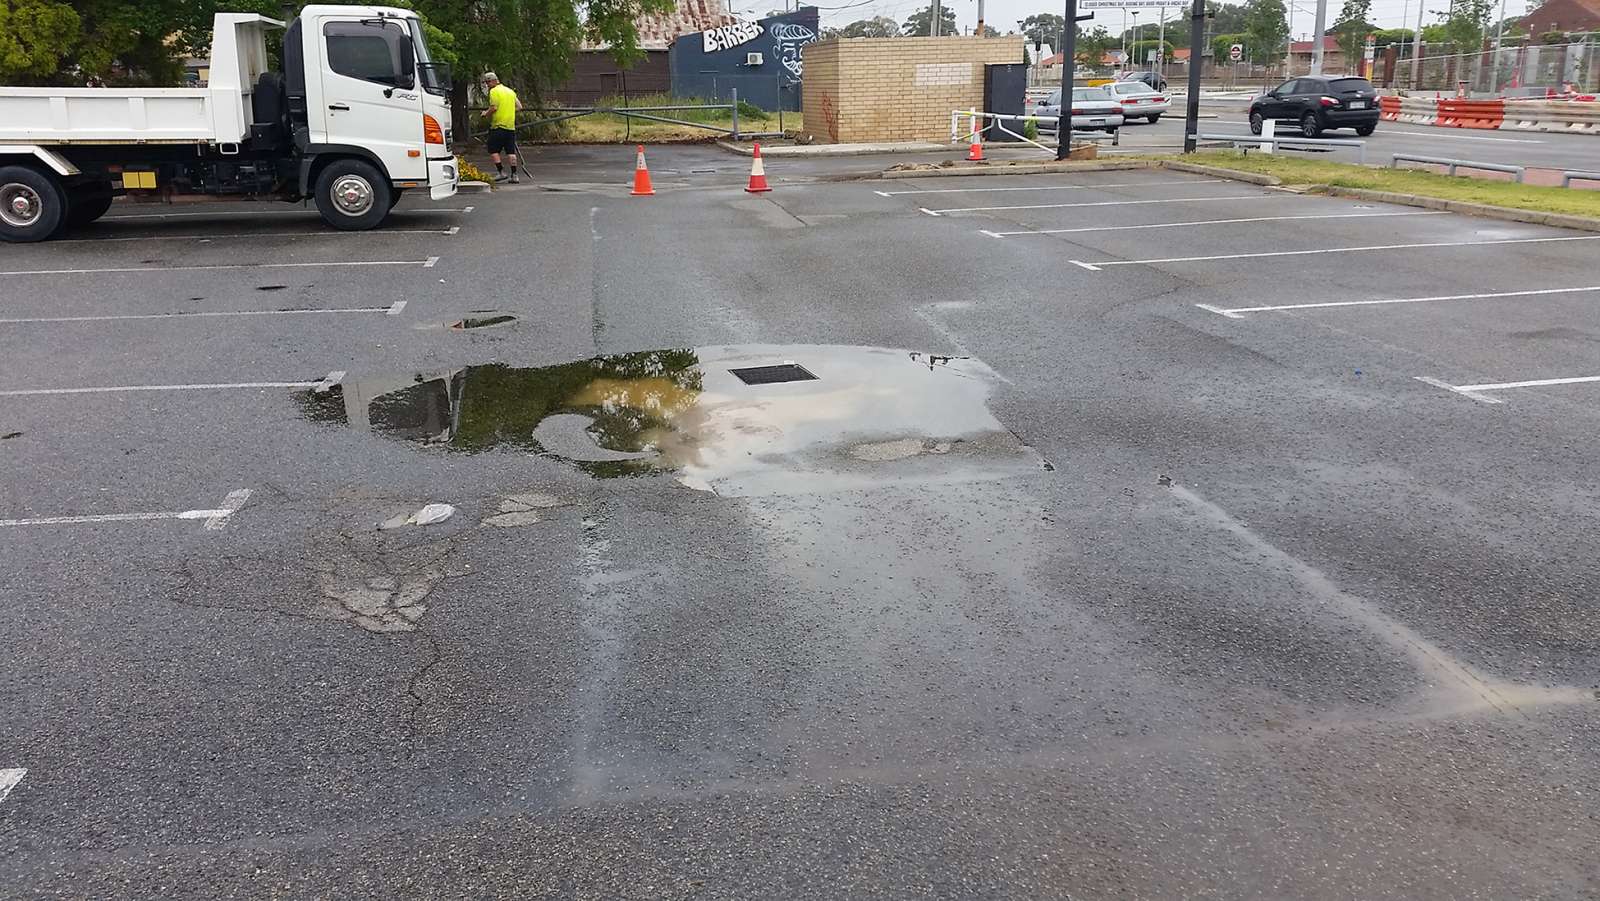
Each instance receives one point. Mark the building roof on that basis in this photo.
(657, 32)
(1563, 15)
(1329, 42)
(1180, 53)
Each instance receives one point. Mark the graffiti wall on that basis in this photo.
(764, 60)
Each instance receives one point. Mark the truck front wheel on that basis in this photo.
(32, 204)
(352, 195)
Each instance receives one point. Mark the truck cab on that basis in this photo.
(358, 115)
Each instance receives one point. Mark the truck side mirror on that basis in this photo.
(407, 76)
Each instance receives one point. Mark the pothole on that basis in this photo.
(483, 319)
(865, 416)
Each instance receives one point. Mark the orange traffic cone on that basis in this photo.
(975, 154)
(758, 173)
(641, 176)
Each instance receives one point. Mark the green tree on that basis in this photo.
(1227, 18)
(1140, 51)
(1351, 29)
(1389, 36)
(875, 27)
(1044, 28)
(1092, 46)
(1266, 27)
(1464, 24)
(34, 37)
(1222, 43)
(919, 24)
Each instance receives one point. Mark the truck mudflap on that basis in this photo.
(443, 176)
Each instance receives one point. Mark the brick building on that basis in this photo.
(1563, 15)
(897, 89)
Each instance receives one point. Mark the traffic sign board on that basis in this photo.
(1236, 52)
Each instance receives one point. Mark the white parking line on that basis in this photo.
(214, 518)
(1476, 392)
(1118, 228)
(391, 310)
(465, 209)
(1128, 184)
(1096, 267)
(318, 233)
(9, 779)
(1062, 206)
(426, 264)
(322, 384)
(1235, 312)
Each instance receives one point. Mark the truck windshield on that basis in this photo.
(435, 77)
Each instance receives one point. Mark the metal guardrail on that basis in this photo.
(1572, 175)
(998, 123)
(1452, 165)
(1277, 141)
(561, 114)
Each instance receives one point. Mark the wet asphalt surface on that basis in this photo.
(1156, 601)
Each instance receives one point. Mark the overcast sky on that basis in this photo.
(1004, 14)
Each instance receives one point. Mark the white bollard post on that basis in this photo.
(1268, 129)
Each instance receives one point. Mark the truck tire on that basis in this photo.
(32, 204)
(86, 203)
(352, 195)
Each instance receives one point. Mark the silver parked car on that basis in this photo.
(1139, 100)
(1092, 109)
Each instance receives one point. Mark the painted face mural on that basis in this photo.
(787, 40)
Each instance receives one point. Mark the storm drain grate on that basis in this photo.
(772, 375)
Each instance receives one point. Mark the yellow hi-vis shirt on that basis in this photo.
(504, 101)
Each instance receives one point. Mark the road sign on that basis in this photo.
(1131, 4)
(1236, 52)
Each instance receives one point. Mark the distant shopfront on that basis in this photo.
(762, 59)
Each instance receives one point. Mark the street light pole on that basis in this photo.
(1416, 49)
(1069, 68)
(1134, 49)
(1191, 119)
(1316, 37)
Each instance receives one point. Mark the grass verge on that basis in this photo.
(1295, 171)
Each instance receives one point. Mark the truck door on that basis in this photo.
(369, 93)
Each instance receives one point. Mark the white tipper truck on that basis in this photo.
(358, 115)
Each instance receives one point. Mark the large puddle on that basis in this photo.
(866, 416)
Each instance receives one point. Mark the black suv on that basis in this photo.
(1154, 80)
(1318, 104)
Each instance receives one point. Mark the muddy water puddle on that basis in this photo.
(722, 419)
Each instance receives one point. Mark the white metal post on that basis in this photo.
(1416, 48)
(1316, 37)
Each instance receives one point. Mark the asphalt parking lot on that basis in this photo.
(1139, 533)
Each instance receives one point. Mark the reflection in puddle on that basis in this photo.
(869, 417)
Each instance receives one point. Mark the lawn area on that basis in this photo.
(1296, 171)
(603, 128)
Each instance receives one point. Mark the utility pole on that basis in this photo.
(1316, 37)
(980, 18)
(936, 14)
(1132, 62)
(1416, 49)
(1191, 119)
(1499, 34)
(1161, 43)
(1069, 69)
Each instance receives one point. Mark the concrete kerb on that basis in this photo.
(1022, 168)
(1254, 178)
(1483, 210)
(828, 150)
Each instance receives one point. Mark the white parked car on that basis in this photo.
(1139, 100)
(1093, 109)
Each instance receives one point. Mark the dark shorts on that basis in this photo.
(502, 140)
